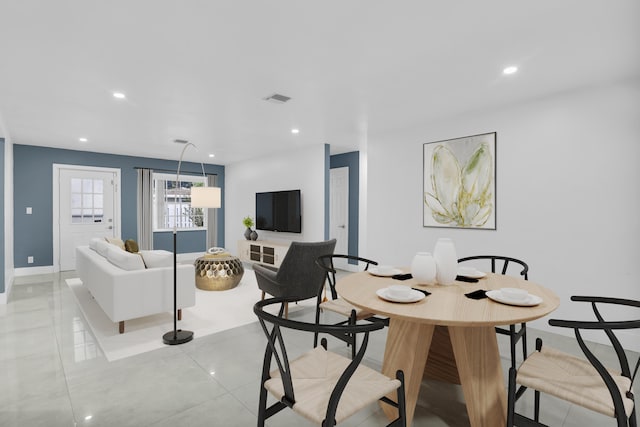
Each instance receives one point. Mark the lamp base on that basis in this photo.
(177, 337)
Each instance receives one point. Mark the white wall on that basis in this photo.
(8, 213)
(303, 169)
(568, 194)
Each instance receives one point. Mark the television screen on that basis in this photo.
(279, 211)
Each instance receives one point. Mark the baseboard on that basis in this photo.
(30, 271)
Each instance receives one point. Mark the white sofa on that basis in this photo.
(125, 289)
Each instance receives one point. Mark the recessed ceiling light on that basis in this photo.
(212, 155)
(119, 95)
(83, 139)
(295, 131)
(510, 70)
(88, 417)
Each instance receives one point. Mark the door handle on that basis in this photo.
(341, 226)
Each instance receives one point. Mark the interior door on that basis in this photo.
(86, 210)
(339, 212)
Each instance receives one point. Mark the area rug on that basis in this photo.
(215, 311)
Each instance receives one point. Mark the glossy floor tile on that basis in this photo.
(53, 373)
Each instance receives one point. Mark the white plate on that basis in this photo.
(475, 275)
(413, 296)
(531, 300)
(392, 272)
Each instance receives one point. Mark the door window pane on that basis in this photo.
(87, 200)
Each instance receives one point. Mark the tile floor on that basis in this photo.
(53, 374)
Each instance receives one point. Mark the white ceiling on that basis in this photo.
(199, 69)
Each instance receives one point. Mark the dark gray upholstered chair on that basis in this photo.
(583, 381)
(298, 277)
(501, 265)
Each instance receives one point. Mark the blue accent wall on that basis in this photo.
(2, 236)
(33, 186)
(352, 161)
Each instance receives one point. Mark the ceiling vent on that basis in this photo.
(277, 98)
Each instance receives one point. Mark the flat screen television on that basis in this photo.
(279, 211)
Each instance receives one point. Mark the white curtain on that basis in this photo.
(145, 209)
(212, 222)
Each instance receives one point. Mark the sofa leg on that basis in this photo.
(179, 314)
(121, 326)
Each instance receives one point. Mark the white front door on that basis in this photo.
(339, 212)
(87, 207)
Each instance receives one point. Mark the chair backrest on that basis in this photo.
(501, 264)
(272, 326)
(326, 262)
(608, 327)
(299, 271)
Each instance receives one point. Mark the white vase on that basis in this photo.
(423, 268)
(446, 260)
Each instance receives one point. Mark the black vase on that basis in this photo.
(247, 233)
(254, 235)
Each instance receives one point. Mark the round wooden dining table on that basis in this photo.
(448, 336)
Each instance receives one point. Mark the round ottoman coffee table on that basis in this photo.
(218, 272)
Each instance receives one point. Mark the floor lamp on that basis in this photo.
(201, 197)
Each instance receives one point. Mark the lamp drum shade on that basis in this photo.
(205, 197)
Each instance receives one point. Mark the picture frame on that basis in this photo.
(459, 182)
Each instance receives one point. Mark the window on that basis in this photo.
(87, 197)
(172, 204)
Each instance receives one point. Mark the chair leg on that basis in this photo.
(512, 344)
(263, 295)
(402, 404)
(511, 397)
(286, 310)
(536, 406)
(524, 340)
(262, 406)
(352, 337)
(315, 334)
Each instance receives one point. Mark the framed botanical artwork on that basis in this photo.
(459, 182)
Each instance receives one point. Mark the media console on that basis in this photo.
(262, 251)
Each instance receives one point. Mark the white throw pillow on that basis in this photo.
(157, 258)
(102, 246)
(123, 259)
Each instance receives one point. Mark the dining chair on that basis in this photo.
(322, 386)
(298, 275)
(586, 383)
(338, 305)
(502, 265)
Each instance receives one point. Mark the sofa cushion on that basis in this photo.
(131, 245)
(116, 241)
(102, 246)
(157, 258)
(125, 260)
(93, 243)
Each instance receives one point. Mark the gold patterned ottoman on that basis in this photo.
(218, 272)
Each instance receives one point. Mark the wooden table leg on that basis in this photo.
(406, 349)
(478, 361)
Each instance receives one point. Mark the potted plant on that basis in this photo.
(247, 221)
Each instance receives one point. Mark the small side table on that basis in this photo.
(218, 272)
